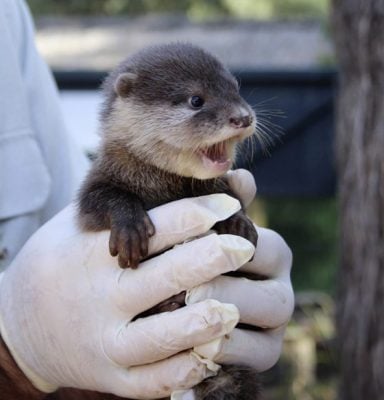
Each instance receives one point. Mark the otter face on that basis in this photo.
(179, 109)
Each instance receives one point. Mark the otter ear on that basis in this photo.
(124, 83)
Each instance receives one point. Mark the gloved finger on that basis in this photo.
(266, 304)
(243, 185)
(175, 222)
(272, 258)
(180, 220)
(259, 349)
(178, 269)
(160, 379)
(160, 336)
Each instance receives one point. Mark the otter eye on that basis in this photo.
(196, 102)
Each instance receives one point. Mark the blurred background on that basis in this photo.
(282, 53)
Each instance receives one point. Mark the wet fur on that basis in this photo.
(148, 157)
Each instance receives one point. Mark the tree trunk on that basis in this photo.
(358, 27)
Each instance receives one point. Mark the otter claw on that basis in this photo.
(238, 224)
(129, 241)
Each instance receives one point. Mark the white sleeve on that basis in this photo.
(65, 161)
(40, 167)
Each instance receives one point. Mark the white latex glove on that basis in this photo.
(267, 304)
(66, 307)
(263, 303)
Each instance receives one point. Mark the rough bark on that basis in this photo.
(358, 27)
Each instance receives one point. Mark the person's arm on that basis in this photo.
(13, 383)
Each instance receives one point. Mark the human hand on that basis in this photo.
(267, 303)
(67, 308)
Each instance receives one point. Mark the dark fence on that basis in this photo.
(296, 112)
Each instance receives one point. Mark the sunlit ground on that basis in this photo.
(101, 43)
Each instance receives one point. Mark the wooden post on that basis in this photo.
(358, 27)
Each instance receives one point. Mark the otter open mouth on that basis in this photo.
(216, 156)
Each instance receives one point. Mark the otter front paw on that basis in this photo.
(129, 239)
(239, 224)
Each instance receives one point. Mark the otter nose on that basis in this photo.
(241, 122)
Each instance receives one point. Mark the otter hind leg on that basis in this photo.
(233, 382)
(238, 224)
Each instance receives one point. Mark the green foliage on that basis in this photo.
(195, 9)
(108, 7)
(268, 9)
(310, 228)
(200, 10)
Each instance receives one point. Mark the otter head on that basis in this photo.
(178, 108)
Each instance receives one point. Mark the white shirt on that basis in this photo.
(40, 168)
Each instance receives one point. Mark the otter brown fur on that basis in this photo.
(171, 121)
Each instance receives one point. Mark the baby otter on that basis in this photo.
(171, 121)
